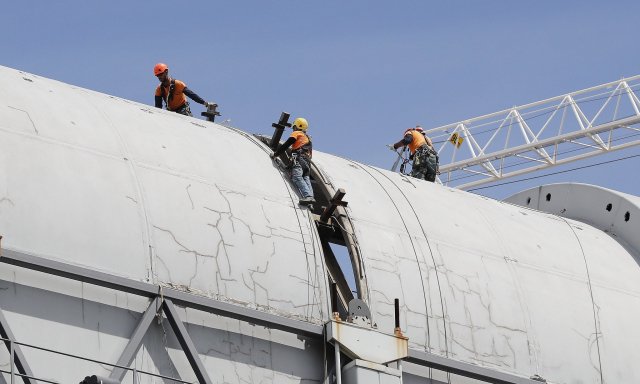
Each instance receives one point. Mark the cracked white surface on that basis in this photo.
(155, 196)
(512, 289)
(137, 192)
(150, 195)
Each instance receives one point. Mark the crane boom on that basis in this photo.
(539, 135)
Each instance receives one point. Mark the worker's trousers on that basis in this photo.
(425, 165)
(185, 109)
(300, 176)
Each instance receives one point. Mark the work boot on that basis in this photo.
(307, 200)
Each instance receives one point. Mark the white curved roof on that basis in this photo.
(491, 283)
(613, 212)
(151, 195)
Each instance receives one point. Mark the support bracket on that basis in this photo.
(335, 202)
(279, 129)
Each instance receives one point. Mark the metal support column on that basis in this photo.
(336, 348)
(135, 341)
(185, 342)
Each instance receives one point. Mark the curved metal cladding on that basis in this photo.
(615, 276)
(613, 212)
(490, 283)
(134, 191)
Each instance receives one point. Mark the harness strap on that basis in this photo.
(427, 150)
(172, 87)
(305, 150)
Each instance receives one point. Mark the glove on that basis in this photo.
(207, 105)
(391, 147)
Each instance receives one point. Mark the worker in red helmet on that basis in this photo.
(173, 92)
(425, 158)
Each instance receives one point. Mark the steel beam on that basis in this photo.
(185, 342)
(465, 369)
(184, 299)
(227, 310)
(540, 144)
(135, 341)
(20, 360)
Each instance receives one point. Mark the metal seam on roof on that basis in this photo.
(435, 265)
(593, 303)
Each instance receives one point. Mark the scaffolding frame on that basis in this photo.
(539, 135)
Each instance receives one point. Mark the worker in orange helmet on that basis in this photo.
(172, 92)
(425, 158)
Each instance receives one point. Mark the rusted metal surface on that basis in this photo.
(367, 343)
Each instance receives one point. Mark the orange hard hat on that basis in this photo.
(160, 68)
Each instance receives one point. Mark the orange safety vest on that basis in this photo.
(175, 99)
(301, 139)
(417, 140)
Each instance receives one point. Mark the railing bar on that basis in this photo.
(93, 361)
(12, 359)
(30, 377)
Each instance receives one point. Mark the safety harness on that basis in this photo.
(172, 87)
(305, 150)
(184, 109)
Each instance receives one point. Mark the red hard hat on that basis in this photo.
(160, 68)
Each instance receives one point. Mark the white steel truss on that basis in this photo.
(539, 135)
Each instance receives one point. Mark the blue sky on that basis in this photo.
(359, 71)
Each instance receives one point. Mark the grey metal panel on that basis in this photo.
(20, 361)
(465, 369)
(185, 342)
(135, 341)
(97, 278)
(138, 288)
(66, 321)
